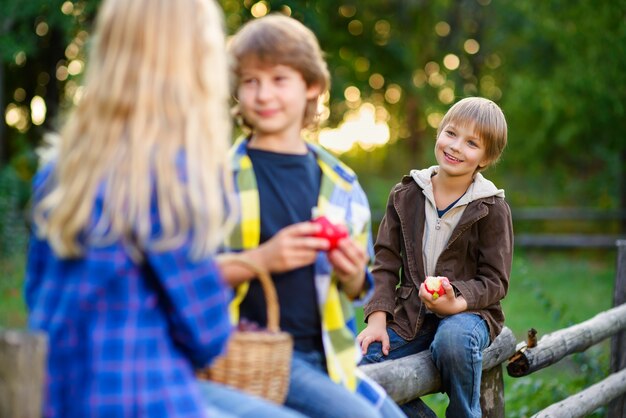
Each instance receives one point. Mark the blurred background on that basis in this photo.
(557, 68)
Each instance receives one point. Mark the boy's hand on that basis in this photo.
(349, 261)
(376, 330)
(446, 304)
(292, 247)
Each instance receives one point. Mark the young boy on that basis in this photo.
(280, 75)
(447, 220)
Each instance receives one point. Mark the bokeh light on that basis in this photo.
(352, 94)
(471, 46)
(365, 126)
(38, 110)
(355, 27)
(451, 62)
(393, 94)
(434, 119)
(41, 29)
(67, 8)
(442, 29)
(260, 9)
(347, 10)
(376, 81)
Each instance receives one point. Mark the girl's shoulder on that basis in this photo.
(42, 179)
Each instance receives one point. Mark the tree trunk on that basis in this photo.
(415, 143)
(3, 128)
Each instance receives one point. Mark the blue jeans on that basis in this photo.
(456, 344)
(312, 393)
(224, 402)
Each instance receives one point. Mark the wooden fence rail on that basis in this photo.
(553, 347)
(570, 240)
(416, 375)
(562, 240)
(588, 400)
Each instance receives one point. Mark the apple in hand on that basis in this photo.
(434, 285)
(330, 231)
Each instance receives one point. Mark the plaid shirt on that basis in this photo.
(341, 193)
(124, 337)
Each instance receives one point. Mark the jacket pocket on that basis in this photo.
(403, 292)
(406, 309)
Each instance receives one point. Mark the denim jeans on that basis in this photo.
(314, 394)
(456, 344)
(224, 402)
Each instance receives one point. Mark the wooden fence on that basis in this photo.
(584, 218)
(22, 360)
(570, 227)
(416, 375)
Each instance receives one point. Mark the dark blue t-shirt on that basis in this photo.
(288, 187)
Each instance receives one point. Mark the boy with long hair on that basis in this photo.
(279, 178)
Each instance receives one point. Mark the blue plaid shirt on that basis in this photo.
(124, 337)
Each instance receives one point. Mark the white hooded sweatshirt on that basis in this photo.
(437, 230)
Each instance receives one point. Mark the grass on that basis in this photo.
(12, 307)
(548, 291)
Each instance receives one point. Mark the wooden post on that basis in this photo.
(22, 373)
(617, 407)
(492, 393)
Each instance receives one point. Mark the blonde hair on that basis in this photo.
(487, 120)
(277, 39)
(153, 123)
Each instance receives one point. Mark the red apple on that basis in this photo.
(332, 232)
(434, 286)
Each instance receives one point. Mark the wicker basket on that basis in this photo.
(256, 362)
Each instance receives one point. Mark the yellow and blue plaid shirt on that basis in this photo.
(340, 193)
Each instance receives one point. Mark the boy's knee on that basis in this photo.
(460, 340)
(448, 347)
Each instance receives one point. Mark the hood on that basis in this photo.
(480, 187)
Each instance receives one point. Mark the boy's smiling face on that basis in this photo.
(459, 150)
(273, 98)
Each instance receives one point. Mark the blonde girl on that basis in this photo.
(126, 215)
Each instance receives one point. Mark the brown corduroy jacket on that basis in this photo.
(477, 259)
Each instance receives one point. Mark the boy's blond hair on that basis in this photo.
(487, 120)
(156, 91)
(277, 39)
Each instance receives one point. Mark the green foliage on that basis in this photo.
(563, 80)
(558, 69)
(12, 306)
(13, 195)
(13, 237)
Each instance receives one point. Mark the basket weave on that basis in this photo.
(256, 362)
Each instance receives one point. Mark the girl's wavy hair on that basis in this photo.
(277, 39)
(487, 120)
(155, 95)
